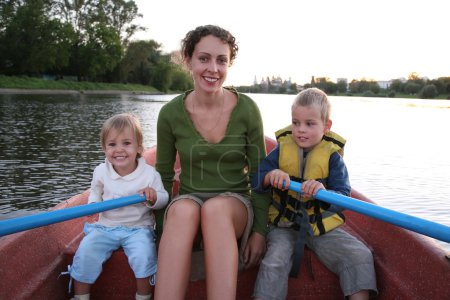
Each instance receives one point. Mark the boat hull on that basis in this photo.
(408, 265)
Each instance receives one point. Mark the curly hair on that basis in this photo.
(194, 36)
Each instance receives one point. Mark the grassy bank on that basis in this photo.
(24, 82)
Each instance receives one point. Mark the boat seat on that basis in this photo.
(314, 277)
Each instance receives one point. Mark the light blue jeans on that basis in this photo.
(99, 243)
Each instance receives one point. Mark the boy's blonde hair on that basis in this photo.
(120, 122)
(317, 97)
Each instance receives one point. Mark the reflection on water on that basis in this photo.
(49, 144)
(396, 152)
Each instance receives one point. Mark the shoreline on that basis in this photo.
(75, 92)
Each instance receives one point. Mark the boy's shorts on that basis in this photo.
(197, 271)
(338, 250)
(100, 241)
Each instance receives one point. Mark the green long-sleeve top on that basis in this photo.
(227, 166)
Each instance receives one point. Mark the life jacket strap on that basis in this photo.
(301, 225)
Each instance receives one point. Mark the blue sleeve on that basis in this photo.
(338, 179)
(269, 163)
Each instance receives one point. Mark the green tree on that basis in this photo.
(429, 91)
(446, 83)
(412, 88)
(413, 76)
(103, 28)
(139, 62)
(396, 85)
(363, 86)
(161, 77)
(354, 86)
(325, 84)
(101, 52)
(293, 88)
(33, 43)
(440, 85)
(374, 87)
(342, 85)
(181, 80)
(7, 12)
(120, 15)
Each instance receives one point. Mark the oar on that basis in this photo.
(51, 217)
(428, 228)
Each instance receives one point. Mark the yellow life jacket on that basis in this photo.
(286, 205)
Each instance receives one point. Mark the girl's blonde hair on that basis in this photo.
(120, 122)
(315, 96)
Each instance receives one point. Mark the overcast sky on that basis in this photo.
(297, 39)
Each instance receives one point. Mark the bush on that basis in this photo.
(428, 92)
(368, 94)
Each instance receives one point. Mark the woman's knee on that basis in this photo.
(224, 210)
(184, 210)
(223, 206)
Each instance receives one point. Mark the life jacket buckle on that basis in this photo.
(299, 213)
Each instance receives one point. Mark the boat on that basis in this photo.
(408, 265)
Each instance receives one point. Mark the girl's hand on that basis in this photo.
(279, 179)
(310, 188)
(150, 195)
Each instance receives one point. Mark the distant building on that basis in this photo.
(384, 84)
(300, 87)
(276, 81)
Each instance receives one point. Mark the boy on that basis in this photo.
(309, 152)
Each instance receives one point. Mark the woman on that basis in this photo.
(218, 134)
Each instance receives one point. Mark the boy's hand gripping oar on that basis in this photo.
(428, 228)
(47, 218)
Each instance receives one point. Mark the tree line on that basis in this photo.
(413, 86)
(88, 40)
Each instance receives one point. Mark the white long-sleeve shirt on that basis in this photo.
(107, 184)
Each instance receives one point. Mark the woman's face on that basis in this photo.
(209, 64)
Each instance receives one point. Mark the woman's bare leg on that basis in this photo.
(175, 249)
(223, 221)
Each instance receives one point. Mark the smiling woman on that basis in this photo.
(216, 132)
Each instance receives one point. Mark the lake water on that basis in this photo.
(397, 150)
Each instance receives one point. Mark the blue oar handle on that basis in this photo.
(51, 217)
(428, 228)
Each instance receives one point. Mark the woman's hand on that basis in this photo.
(254, 250)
